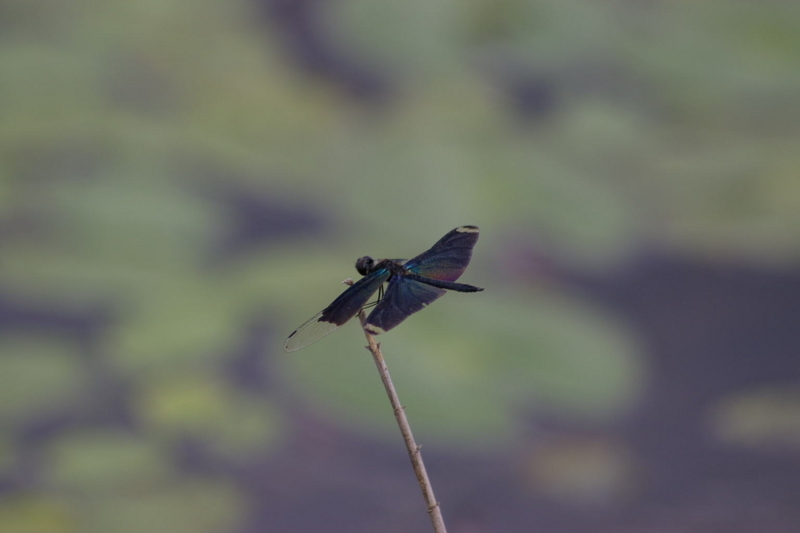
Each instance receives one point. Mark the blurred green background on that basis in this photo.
(184, 183)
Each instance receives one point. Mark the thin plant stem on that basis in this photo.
(434, 509)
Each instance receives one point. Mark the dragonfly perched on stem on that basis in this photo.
(412, 285)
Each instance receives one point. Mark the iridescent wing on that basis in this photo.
(448, 258)
(340, 311)
(403, 298)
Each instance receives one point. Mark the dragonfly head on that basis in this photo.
(364, 265)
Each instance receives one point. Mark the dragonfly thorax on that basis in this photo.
(366, 265)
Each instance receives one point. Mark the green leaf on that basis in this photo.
(106, 461)
(203, 407)
(36, 513)
(38, 375)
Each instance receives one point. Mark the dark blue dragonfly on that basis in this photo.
(413, 284)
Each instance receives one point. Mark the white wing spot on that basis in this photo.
(467, 229)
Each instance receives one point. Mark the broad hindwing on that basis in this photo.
(449, 257)
(404, 297)
(340, 311)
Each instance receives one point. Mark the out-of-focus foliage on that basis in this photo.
(478, 379)
(183, 183)
(38, 376)
(761, 418)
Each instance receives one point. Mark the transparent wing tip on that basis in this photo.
(310, 332)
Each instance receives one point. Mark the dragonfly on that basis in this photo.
(413, 284)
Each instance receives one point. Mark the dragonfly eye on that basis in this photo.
(364, 265)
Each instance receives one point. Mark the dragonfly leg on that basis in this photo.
(376, 302)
